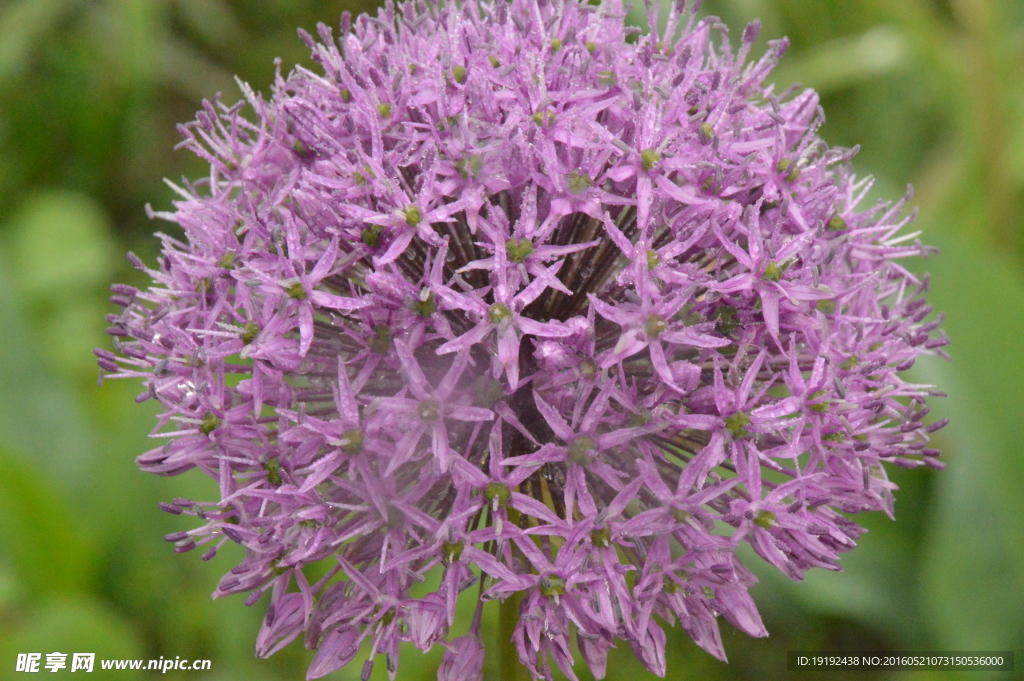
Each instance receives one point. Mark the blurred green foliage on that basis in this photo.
(90, 92)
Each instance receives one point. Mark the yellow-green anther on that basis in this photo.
(707, 132)
(353, 441)
(578, 182)
(783, 165)
(687, 316)
(849, 363)
(296, 291)
(429, 411)
(300, 148)
(591, 46)
(834, 437)
(669, 585)
(588, 368)
(385, 109)
(452, 550)
(579, 450)
(601, 537)
(818, 406)
(469, 165)
(679, 515)
(737, 423)
(639, 419)
(346, 96)
(412, 69)
(709, 592)
(518, 250)
(726, 316)
(273, 471)
(653, 259)
(794, 173)
(413, 215)
(250, 332)
(552, 586)
(459, 74)
(497, 491)
(209, 424)
(498, 312)
(606, 78)
(380, 341)
(425, 305)
(541, 116)
(556, 44)
(649, 157)
(826, 306)
(359, 177)
(227, 261)
(371, 236)
(773, 272)
(765, 519)
(655, 326)
(494, 61)
(837, 224)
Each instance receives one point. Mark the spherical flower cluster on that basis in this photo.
(561, 312)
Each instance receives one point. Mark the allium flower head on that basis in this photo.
(564, 316)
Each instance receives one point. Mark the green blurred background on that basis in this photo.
(90, 92)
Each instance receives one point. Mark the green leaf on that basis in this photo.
(23, 23)
(974, 570)
(71, 625)
(141, 23)
(62, 256)
(39, 416)
(11, 589)
(844, 61)
(876, 588)
(40, 533)
(214, 20)
(185, 68)
(60, 244)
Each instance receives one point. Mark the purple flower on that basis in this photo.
(564, 318)
(464, 660)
